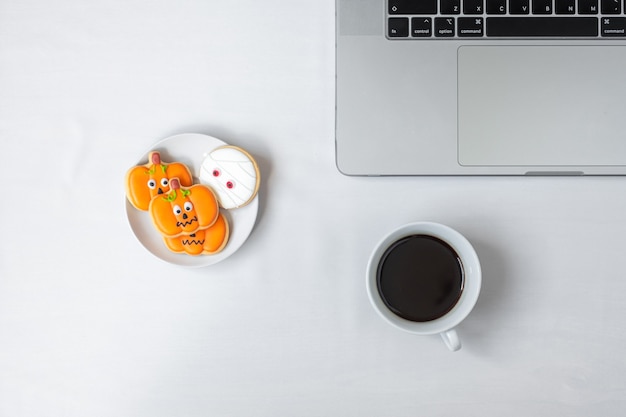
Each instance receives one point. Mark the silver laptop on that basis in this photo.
(481, 87)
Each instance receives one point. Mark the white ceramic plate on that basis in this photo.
(190, 149)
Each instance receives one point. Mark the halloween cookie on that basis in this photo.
(183, 210)
(233, 174)
(207, 241)
(143, 182)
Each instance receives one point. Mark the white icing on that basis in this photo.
(234, 166)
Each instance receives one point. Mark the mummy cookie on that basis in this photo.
(208, 241)
(183, 210)
(143, 182)
(233, 174)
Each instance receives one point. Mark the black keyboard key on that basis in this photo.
(421, 27)
(398, 27)
(613, 27)
(470, 27)
(587, 6)
(611, 6)
(412, 7)
(542, 26)
(444, 27)
(473, 7)
(519, 6)
(565, 6)
(542, 6)
(496, 6)
(450, 6)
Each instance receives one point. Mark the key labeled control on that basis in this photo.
(421, 27)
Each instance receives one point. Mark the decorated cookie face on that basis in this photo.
(183, 210)
(233, 174)
(144, 182)
(208, 241)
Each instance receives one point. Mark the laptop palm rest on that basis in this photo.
(541, 106)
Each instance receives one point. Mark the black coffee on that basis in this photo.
(420, 278)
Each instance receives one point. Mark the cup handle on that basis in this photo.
(451, 339)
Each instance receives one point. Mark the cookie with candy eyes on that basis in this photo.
(144, 182)
(183, 210)
(233, 174)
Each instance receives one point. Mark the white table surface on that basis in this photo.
(92, 324)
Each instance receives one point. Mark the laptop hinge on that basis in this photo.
(555, 173)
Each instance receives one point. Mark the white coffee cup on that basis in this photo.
(471, 282)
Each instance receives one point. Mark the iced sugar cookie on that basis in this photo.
(143, 182)
(208, 241)
(183, 210)
(233, 174)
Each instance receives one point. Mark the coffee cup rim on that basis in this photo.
(472, 277)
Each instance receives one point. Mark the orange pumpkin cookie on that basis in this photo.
(208, 241)
(144, 182)
(184, 210)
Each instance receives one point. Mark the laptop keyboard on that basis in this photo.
(445, 19)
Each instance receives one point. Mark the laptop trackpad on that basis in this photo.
(541, 105)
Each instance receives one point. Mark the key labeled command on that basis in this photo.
(613, 26)
(470, 27)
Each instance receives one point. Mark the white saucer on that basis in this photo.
(190, 149)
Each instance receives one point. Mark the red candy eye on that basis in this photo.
(216, 172)
(230, 184)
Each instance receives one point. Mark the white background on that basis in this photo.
(92, 324)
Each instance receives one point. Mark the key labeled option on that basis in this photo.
(444, 27)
